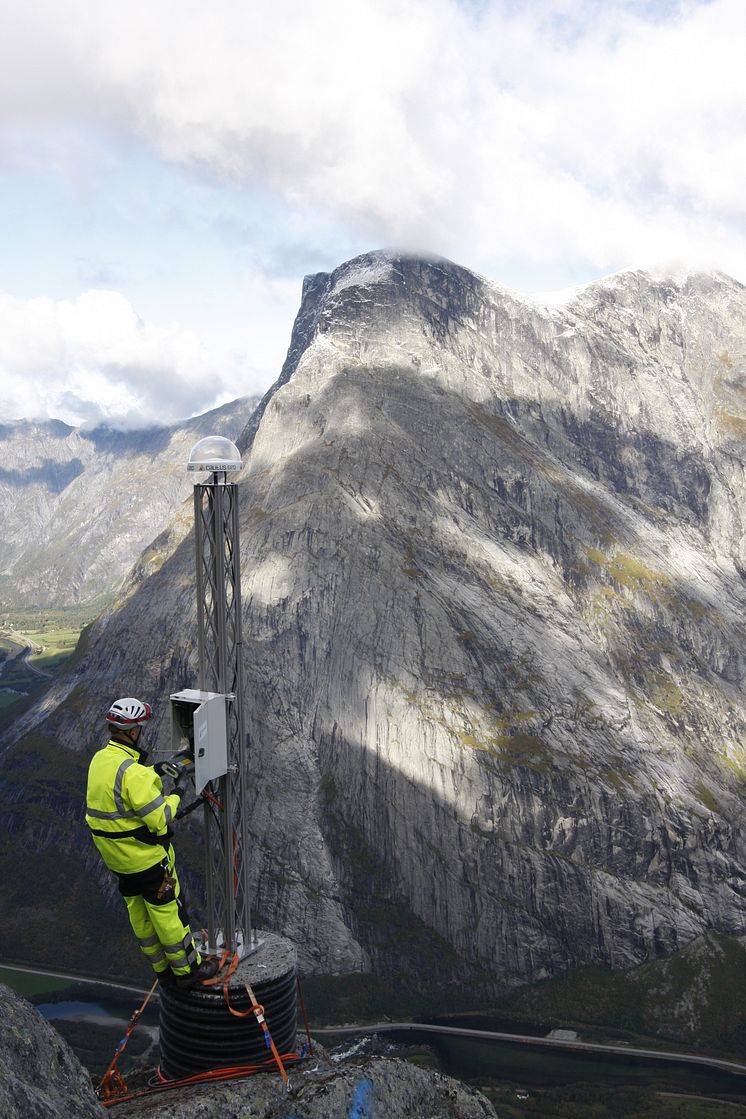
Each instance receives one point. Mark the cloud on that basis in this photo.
(93, 360)
(528, 139)
(604, 131)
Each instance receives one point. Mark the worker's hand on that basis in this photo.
(185, 809)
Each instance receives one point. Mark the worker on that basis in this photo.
(130, 821)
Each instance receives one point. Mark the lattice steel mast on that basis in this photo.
(221, 671)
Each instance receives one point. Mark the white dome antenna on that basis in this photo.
(214, 453)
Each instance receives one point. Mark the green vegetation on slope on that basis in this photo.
(695, 998)
(612, 1101)
(28, 984)
(336, 1000)
(52, 909)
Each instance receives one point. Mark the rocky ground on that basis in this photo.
(377, 1087)
(40, 1076)
(42, 1079)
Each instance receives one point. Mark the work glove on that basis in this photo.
(179, 772)
(180, 784)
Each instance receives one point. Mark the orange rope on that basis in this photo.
(305, 1016)
(219, 977)
(256, 1009)
(235, 864)
(228, 1073)
(112, 1083)
(111, 1095)
(259, 1013)
(234, 1072)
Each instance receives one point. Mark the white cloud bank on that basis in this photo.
(547, 129)
(92, 361)
(569, 136)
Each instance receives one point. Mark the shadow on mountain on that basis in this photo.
(150, 440)
(476, 681)
(452, 578)
(54, 476)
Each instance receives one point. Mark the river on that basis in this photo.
(97, 1002)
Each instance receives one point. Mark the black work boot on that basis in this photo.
(166, 978)
(206, 969)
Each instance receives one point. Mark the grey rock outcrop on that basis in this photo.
(380, 1086)
(492, 561)
(77, 507)
(40, 1076)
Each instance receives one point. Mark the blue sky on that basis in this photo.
(170, 170)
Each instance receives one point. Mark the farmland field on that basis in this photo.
(34, 644)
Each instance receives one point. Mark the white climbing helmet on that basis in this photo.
(128, 712)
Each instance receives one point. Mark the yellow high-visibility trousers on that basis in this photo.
(160, 923)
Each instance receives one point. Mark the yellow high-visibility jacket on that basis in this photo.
(126, 810)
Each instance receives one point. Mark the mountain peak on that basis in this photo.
(492, 564)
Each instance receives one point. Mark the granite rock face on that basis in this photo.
(493, 561)
(40, 1076)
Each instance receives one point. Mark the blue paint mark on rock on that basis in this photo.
(362, 1102)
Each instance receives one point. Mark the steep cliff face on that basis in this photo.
(492, 557)
(78, 507)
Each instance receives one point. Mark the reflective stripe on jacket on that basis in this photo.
(124, 796)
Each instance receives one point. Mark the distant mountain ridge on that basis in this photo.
(77, 507)
(492, 559)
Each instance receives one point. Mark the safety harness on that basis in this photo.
(143, 834)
